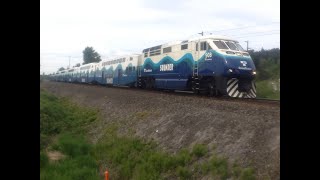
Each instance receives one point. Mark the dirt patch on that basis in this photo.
(244, 131)
(55, 155)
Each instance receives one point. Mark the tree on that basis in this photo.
(267, 63)
(61, 69)
(77, 65)
(90, 55)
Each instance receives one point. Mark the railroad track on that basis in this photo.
(187, 93)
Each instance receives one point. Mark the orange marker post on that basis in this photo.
(106, 174)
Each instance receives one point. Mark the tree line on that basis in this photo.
(89, 56)
(267, 63)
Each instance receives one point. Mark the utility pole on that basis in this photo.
(201, 33)
(247, 45)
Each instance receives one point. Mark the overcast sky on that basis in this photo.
(117, 27)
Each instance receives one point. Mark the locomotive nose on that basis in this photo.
(244, 85)
(241, 88)
(240, 63)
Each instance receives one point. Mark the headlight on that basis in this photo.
(254, 72)
(230, 70)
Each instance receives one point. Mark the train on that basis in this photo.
(213, 64)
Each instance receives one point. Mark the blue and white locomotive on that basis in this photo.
(214, 64)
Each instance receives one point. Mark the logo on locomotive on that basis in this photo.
(244, 63)
(147, 70)
(166, 67)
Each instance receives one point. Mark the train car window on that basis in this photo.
(203, 46)
(185, 46)
(209, 47)
(146, 54)
(220, 45)
(167, 50)
(155, 50)
(232, 46)
(145, 50)
(239, 47)
(133, 68)
(153, 53)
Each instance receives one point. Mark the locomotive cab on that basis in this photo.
(227, 69)
(239, 71)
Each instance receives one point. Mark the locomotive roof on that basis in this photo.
(218, 37)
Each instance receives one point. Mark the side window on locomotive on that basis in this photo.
(167, 50)
(203, 46)
(208, 45)
(185, 46)
(145, 51)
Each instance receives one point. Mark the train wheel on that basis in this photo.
(150, 83)
(143, 84)
(212, 89)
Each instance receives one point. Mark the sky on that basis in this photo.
(119, 27)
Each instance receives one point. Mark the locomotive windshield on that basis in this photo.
(239, 47)
(232, 46)
(228, 45)
(220, 45)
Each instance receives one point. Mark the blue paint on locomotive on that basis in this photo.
(174, 78)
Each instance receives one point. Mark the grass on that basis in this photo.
(72, 145)
(78, 165)
(199, 150)
(183, 172)
(64, 127)
(59, 115)
(265, 90)
(131, 158)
